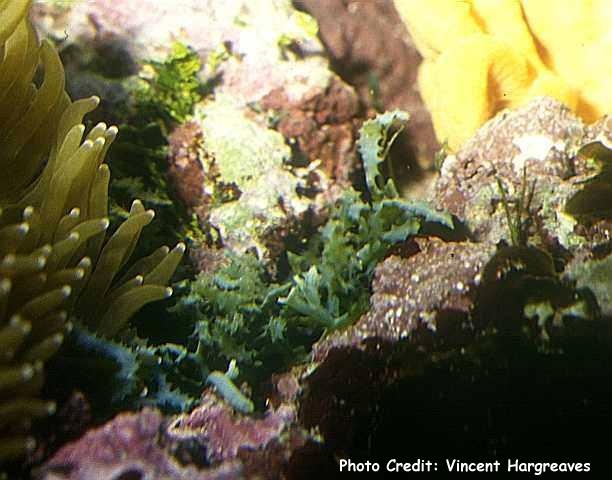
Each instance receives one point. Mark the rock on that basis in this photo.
(267, 148)
(323, 125)
(255, 197)
(185, 168)
(416, 292)
(370, 49)
(542, 137)
(254, 48)
(445, 317)
(224, 434)
(213, 442)
(596, 275)
(126, 447)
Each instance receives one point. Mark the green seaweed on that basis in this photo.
(236, 315)
(223, 383)
(163, 98)
(519, 223)
(265, 325)
(171, 87)
(332, 276)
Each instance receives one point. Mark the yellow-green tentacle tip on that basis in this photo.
(57, 264)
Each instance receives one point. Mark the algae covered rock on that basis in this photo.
(254, 194)
(540, 140)
(129, 445)
(210, 443)
(249, 43)
(468, 332)
(264, 55)
(438, 280)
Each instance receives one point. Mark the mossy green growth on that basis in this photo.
(520, 221)
(164, 95)
(237, 316)
(139, 160)
(171, 88)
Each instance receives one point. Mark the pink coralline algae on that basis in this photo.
(126, 447)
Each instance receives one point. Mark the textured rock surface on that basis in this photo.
(414, 292)
(543, 137)
(254, 48)
(247, 165)
(224, 434)
(595, 274)
(370, 48)
(126, 447)
(323, 125)
(211, 443)
(215, 425)
(255, 195)
(431, 303)
(147, 28)
(185, 168)
(270, 72)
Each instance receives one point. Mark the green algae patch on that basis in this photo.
(254, 192)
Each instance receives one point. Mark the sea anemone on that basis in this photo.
(57, 265)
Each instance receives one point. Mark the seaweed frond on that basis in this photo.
(241, 313)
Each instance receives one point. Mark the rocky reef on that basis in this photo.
(327, 304)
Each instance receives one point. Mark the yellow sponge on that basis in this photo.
(481, 56)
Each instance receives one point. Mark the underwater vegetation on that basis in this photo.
(241, 313)
(402, 314)
(520, 364)
(481, 57)
(163, 96)
(58, 266)
(172, 88)
(148, 364)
